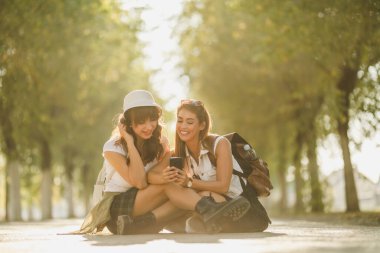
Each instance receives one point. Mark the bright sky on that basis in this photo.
(366, 160)
(162, 55)
(162, 48)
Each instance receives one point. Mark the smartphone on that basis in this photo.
(176, 162)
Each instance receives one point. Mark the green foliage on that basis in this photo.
(271, 69)
(65, 67)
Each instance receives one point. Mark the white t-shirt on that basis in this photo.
(117, 183)
(207, 172)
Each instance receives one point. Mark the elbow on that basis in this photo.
(152, 178)
(149, 179)
(225, 189)
(139, 181)
(141, 185)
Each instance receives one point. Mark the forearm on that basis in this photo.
(136, 171)
(155, 177)
(220, 187)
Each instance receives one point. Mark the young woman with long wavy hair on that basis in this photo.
(142, 192)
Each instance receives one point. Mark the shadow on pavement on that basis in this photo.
(107, 240)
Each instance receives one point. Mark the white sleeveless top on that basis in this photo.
(207, 172)
(117, 183)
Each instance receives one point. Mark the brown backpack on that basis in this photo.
(255, 170)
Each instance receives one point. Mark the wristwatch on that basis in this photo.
(189, 182)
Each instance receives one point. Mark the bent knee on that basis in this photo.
(204, 193)
(217, 197)
(157, 187)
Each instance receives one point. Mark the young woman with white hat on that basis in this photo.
(145, 192)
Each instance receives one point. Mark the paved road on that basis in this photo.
(282, 236)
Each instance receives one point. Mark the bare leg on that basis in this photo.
(217, 197)
(154, 196)
(183, 198)
(167, 212)
(151, 205)
(152, 208)
(149, 199)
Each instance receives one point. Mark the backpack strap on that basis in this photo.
(217, 140)
(209, 143)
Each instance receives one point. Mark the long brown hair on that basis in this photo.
(152, 148)
(203, 116)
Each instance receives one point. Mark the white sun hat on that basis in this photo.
(138, 98)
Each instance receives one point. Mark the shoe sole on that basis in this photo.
(234, 209)
(238, 211)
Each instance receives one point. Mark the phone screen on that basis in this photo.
(176, 162)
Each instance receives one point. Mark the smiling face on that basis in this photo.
(144, 130)
(142, 121)
(188, 125)
(193, 125)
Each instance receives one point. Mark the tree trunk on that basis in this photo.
(46, 187)
(6, 218)
(12, 177)
(316, 191)
(69, 168)
(352, 202)
(69, 198)
(282, 169)
(87, 186)
(346, 86)
(29, 196)
(14, 208)
(298, 180)
(284, 193)
(30, 210)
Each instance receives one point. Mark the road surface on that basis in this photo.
(284, 235)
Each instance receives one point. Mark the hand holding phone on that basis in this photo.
(176, 162)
